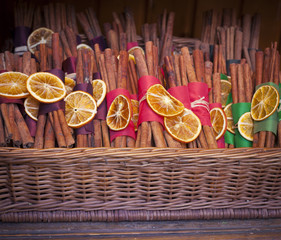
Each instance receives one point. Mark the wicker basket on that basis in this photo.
(138, 184)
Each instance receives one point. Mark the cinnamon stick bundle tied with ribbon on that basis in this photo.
(241, 95)
(150, 124)
(13, 129)
(198, 91)
(51, 124)
(118, 87)
(267, 77)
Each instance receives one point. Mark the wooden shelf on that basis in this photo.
(212, 229)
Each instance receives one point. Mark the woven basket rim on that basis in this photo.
(12, 155)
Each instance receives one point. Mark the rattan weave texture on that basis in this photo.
(111, 184)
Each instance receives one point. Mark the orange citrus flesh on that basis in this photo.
(13, 85)
(80, 108)
(185, 127)
(246, 126)
(31, 106)
(99, 90)
(219, 122)
(162, 102)
(264, 102)
(69, 85)
(229, 118)
(46, 87)
(225, 90)
(119, 113)
(39, 36)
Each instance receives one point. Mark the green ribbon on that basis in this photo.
(269, 124)
(228, 136)
(224, 77)
(238, 109)
(279, 107)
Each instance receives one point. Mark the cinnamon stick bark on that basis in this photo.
(207, 130)
(156, 128)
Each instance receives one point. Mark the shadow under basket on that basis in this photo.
(112, 184)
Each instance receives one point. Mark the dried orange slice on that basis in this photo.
(219, 122)
(225, 90)
(83, 46)
(80, 108)
(46, 87)
(246, 126)
(69, 84)
(229, 118)
(31, 106)
(162, 102)
(39, 36)
(135, 117)
(185, 127)
(13, 85)
(119, 113)
(264, 102)
(99, 90)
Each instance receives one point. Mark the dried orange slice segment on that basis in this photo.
(135, 117)
(246, 126)
(99, 90)
(264, 102)
(219, 122)
(162, 102)
(80, 108)
(83, 46)
(13, 85)
(225, 90)
(229, 118)
(69, 84)
(119, 113)
(39, 36)
(185, 127)
(31, 106)
(46, 87)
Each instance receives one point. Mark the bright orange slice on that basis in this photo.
(162, 102)
(39, 36)
(185, 127)
(264, 102)
(135, 117)
(46, 87)
(119, 114)
(13, 85)
(80, 108)
(225, 90)
(219, 122)
(31, 106)
(229, 118)
(246, 126)
(99, 90)
(69, 85)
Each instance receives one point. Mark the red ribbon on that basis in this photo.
(182, 94)
(146, 114)
(199, 99)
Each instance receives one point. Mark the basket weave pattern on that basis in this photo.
(138, 184)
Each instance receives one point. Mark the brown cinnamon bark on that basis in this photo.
(49, 135)
(157, 130)
(207, 130)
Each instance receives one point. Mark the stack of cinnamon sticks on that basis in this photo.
(13, 128)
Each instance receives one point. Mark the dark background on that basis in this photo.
(188, 19)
